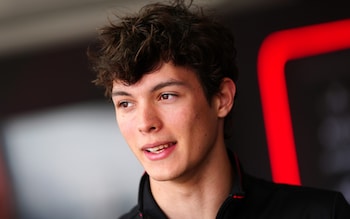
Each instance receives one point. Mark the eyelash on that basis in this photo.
(163, 96)
(167, 95)
(121, 104)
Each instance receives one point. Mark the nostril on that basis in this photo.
(148, 120)
(147, 129)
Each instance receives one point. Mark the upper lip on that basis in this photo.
(157, 144)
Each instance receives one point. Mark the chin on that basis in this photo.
(161, 175)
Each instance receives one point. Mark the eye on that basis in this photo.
(167, 96)
(124, 104)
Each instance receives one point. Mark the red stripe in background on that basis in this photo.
(278, 48)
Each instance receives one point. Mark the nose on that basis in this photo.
(149, 120)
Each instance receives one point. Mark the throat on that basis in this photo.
(190, 197)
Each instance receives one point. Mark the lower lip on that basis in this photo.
(162, 155)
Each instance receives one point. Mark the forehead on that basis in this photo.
(166, 73)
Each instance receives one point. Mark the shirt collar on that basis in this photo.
(148, 207)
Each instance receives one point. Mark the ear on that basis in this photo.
(225, 97)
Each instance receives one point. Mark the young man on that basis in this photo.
(171, 74)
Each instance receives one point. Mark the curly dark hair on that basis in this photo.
(159, 33)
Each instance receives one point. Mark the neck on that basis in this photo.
(205, 189)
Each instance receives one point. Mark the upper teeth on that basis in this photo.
(158, 148)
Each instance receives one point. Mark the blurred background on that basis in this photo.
(61, 153)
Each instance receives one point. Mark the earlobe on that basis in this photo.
(226, 97)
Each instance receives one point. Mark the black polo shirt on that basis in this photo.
(253, 198)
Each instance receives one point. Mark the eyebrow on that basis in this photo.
(168, 83)
(120, 93)
(155, 88)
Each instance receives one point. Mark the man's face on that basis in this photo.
(168, 123)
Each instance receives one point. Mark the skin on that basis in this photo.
(167, 107)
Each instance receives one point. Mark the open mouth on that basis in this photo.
(160, 148)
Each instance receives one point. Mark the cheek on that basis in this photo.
(127, 130)
(186, 121)
(180, 118)
(203, 123)
(125, 126)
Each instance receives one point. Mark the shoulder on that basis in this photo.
(132, 214)
(295, 201)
